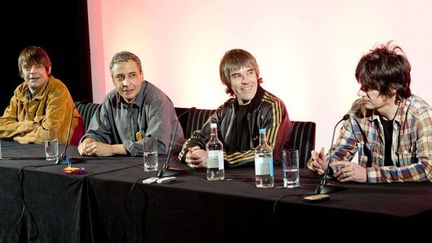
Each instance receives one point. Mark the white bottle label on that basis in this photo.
(263, 166)
(215, 159)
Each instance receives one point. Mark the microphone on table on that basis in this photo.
(63, 158)
(323, 187)
(166, 171)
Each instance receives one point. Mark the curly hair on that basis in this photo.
(385, 68)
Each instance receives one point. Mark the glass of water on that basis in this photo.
(51, 149)
(51, 145)
(290, 164)
(150, 154)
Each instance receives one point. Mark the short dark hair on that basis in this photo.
(33, 55)
(385, 68)
(233, 60)
(124, 56)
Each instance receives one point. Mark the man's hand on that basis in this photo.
(84, 147)
(196, 157)
(317, 162)
(90, 147)
(350, 172)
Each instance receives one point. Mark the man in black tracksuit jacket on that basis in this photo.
(240, 117)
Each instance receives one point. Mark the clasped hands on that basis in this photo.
(347, 171)
(91, 147)
(196, 157)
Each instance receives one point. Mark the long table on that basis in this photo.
(109, 203)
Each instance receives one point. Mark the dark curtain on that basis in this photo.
(61, 28)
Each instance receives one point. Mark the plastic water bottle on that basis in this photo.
(264, 174)
(215, 156)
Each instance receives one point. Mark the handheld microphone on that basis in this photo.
(166, 171)
(63, 158)
(323, 187)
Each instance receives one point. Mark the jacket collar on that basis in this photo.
(26, 93)
(400, 113)
(256, 100)
(40, 94)
(139, 100)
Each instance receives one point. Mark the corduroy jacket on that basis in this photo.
(28, 120)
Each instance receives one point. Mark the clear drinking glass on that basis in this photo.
(150, 154)
(51, 145)
(290, 164)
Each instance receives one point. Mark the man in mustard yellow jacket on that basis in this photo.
(40, 105)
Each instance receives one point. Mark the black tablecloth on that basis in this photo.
(109, 203)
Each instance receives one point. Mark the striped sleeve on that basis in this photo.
(278, 128)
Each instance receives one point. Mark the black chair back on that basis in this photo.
(87, 110)
(303, 139)
(193, 120)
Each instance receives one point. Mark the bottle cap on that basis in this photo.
(262, 130)
(213, 125)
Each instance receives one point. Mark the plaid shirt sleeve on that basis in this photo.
(412, 144)
(414, 153)
(346, 144)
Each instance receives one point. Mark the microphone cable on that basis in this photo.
(285, 195)
(282, 197)
(25, 206)
(20, 175)
(128, 196)
(129, 204)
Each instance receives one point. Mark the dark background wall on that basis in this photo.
(62, 32)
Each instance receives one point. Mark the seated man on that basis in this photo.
(131, 113)
(240, 117)
(388, 126)
(40, 105)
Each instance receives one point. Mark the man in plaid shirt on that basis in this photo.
(390, 128)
